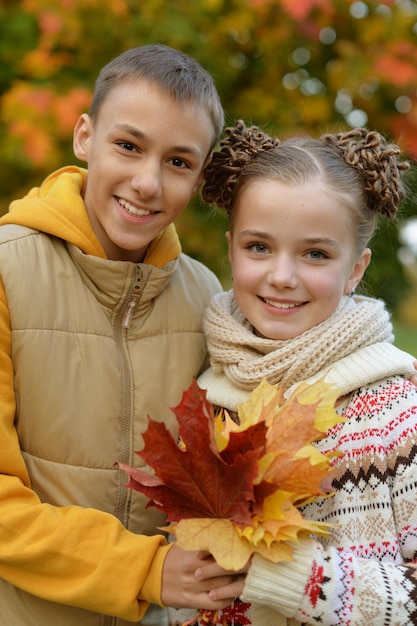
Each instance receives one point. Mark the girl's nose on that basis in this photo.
(282, 273)
(147, 179)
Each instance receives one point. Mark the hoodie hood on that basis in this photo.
(57, 208)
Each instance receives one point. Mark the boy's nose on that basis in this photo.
(147, 179)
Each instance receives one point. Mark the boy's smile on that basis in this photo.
(145, 154)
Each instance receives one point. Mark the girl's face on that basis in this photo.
(292, 255)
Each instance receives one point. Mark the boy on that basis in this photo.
(100, 326)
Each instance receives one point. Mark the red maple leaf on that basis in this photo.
(193, 480)
(236, 613)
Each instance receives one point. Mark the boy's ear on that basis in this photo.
(82, 133)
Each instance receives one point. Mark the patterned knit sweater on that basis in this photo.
(365, 572)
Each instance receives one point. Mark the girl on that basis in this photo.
(302, 213)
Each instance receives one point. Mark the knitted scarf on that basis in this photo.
(246, 358)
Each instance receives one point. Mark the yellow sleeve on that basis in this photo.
(71, 555)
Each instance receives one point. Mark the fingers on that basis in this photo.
(224, 585)
(229, 592)
(206, 555)
(194, 580)
(414, 380)
(210, 569)
(181, 588)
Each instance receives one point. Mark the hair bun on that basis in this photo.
(376, 161)
(236, 150)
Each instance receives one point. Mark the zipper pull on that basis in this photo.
(133, 301)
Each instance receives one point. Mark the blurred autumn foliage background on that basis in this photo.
(289, 65)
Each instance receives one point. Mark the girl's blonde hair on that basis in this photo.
(359, 167)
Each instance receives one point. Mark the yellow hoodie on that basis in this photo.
(57, 208)
(76, 387)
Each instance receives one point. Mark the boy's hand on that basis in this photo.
(190, 578)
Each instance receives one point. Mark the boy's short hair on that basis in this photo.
(182, 76)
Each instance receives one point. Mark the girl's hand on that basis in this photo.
(234, 588)
(226, 589)
(190, 578)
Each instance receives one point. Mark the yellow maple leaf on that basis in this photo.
(262, 405)
(223, 426)
(220, 537)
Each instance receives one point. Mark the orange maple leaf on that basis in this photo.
(293, 462)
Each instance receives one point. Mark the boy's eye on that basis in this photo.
(177, 162)
(127, 146)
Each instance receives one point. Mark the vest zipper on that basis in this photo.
(127, 417)
(122, 323)
(134, 298)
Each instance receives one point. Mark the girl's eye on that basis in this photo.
(317, 255)
(258, 248)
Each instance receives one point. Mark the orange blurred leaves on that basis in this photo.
(38, 118)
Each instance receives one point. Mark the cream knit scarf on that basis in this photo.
(246, 358)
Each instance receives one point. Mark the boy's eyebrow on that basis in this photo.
(135, 132)
(255, 233)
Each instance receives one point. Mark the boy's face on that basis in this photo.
(145, 154)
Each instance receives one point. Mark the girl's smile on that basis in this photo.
(281, 305)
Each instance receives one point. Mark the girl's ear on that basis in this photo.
(358, 271)
(82, 134)
(229, 245)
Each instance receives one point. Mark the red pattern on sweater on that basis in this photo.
(313, 586)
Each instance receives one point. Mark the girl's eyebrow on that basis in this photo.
(310, 241)
(323, 241)
(135, 132)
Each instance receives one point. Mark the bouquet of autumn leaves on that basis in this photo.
(234, 489)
